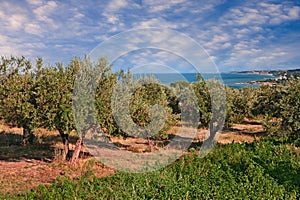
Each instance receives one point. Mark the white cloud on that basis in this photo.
(35, 2)
(16, 21)
(112, 10)
(160, 23)
(3, 38)
(270, 56)
(12, 19)
(116, 5)
(285, 14)
(280, 13)
(44, 11)
(165, 40)
(112, 19)
(180, 6)
(1, 14)
(261, 14)
(245, 55)
(221, 38)
(153, 61)
(216, 41)
(23, 23)
(159, 6)
(20, 47)
(226, 45)
(79, 15)
(244, 33)
(34, 29)
(294, 12)
(213, 58)
(244, 16)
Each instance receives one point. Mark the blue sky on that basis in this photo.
(237, 35)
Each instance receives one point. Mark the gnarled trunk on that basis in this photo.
(65, 141)
(27, 135)
(213, 130)
(151, 145)
(77, 150)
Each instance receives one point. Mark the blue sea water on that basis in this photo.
(233, 80)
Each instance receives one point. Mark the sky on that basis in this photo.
(235, 35)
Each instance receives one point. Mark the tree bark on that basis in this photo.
(65, 141)
(151, 145)
(213, 131)
(24, 136)
(27, 135)
(77, 150)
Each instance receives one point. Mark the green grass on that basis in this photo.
(247, 171)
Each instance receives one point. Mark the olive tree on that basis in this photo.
(18, 106)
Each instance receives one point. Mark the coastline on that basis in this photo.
(259, 72)
(270, 81)
(233, 80)
(260, 82)
(276, 76)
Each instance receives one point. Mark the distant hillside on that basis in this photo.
(287, 73)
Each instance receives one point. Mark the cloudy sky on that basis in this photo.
(236, 34)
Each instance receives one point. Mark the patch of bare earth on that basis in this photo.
(23, 175)
(241, 133)
(238, 133)
(25, 168)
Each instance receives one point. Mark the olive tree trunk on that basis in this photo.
(77, 150)
(65, 141)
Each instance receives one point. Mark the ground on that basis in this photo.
(25, 167)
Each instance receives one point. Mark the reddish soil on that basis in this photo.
(19, 172)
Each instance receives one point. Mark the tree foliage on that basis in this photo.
(33, 96)
(240, 104)
(17, 95)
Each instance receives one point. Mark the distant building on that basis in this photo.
(282, 77)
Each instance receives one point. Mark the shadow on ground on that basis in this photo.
(42, 149)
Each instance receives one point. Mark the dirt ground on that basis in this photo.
(25, 167)
(27, 174)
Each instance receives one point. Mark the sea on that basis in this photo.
(233, 80)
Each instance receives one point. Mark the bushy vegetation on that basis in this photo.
(240, 104)
(41, 96)
(236, 171)
(33, 96)
(16, 95)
